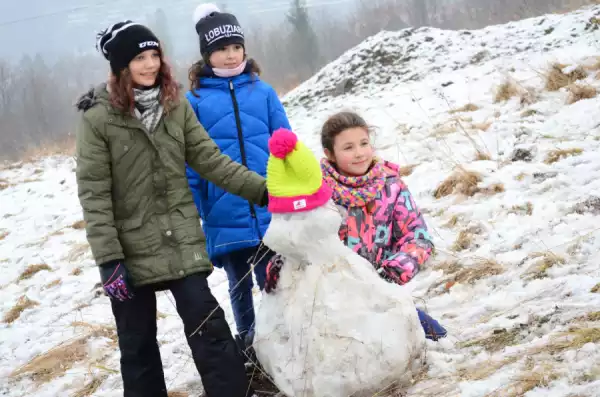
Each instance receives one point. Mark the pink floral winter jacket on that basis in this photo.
(384, 225)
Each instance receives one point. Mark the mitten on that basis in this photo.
(115, 280)
(398, 271)
(273, 269)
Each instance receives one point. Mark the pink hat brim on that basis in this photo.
(286, 205)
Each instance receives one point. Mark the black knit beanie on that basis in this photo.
(216, 29)
(123, 41)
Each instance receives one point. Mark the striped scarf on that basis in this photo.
(147, 107)
(354, 191)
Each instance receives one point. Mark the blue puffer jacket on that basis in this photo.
(230, 222)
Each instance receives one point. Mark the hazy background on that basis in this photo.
(48, 55)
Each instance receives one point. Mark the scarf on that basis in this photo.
(354, 191)
(226, 73)
(147, 107)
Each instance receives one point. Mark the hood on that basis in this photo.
(93, 96)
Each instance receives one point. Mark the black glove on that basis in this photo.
(115, 280)
(264, 202)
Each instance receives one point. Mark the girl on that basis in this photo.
(135, 138)
(240, 113)
(383, 223)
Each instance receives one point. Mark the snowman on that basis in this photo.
(333, 327)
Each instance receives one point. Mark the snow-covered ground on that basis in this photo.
(516, 276)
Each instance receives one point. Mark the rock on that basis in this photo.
(521, 154)
(590, 206)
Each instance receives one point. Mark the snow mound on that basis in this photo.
(412, 55)
(333, 327)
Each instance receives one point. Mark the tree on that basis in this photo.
(303, 42)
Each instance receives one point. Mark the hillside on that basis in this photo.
(498, 133)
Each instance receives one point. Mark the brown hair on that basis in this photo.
(121, 89)
(338, 123)
(195, 73)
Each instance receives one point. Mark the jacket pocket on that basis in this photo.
(139, 238)
(186, 225)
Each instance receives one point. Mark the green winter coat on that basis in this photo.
(134, 192)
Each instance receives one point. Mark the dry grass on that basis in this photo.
(4, 184)
(76, 272)
(557, 79)
(53, 284)
(498, 340)
(526, 209)
(78, 225)
(521, 176)
(453, 221)
(90, 388)
(529, 113)
(32, 270)
(558, 154)
(506, 90)
(574, 339)
(463, 241)
(22, 304)
(492, 189)
(65, 147)
(97, 330)
(577, 92)
(55, 362)
(528, 380)
(469, 107)
(481, 156)
(407, 169)
(178, 394)
(595, 289)
(461, 181)
(77, 252)
(594, 316)
(3, 234)
(546, 260)
(486, 369)
(483, 126)
(456, 273)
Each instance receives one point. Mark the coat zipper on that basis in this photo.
(238, 123)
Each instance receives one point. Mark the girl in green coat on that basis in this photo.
(136, 135)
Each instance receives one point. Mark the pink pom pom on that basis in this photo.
(282, 142)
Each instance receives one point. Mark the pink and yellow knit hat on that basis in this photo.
(294, 178)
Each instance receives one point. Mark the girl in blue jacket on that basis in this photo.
(240, 112)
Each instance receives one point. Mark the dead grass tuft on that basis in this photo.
(486, 369)
(526, 209)
(463, 241)
(528, 380)
(78, 225)
(178, 394)
(506, 90)
(557, 79)
(53, 284)
(55, 362)
(453, 221)
(546, 260)
(596, 289)
(3, 234)
(577, 92)
(556, 155)
(483, 126)
(594, 316)
(461, 181)
(498, 340)
(32, 270)
(529, 113)
(76, 272)
(77, 252)
(574, 339)
(459, 274)
(90, 388)
(4, 184)
(449, 266)
(521, 176)
(407, 169)
(469, 107)
(492, 189)
(22, 304)
(481, 156)
(97, 330)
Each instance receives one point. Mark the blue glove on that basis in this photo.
(115, 280)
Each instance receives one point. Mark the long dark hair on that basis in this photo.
(121, 89)
(197, 71)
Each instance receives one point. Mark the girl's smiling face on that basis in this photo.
(144, 68)
(352, 152)
(228, 57)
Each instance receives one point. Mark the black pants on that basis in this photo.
(215, 353)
